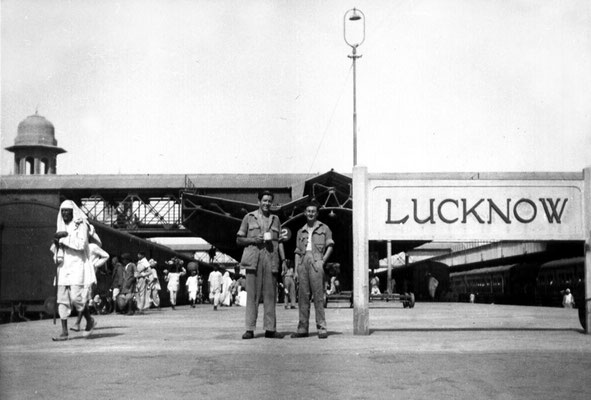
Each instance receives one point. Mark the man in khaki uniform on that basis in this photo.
(314, 246)
(259, 234)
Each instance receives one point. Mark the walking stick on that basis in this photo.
(57, 274)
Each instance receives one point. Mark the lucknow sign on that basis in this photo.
(475, 210)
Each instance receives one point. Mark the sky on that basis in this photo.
(233, 86)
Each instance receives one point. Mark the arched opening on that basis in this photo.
(44, 166)
(29, 166)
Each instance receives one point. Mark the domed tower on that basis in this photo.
(35, 148)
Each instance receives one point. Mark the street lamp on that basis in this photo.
(354, 34)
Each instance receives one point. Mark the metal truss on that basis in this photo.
(333, 196)
(134, 212)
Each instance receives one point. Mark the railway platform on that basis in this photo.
(432, 351)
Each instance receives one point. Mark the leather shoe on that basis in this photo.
(248, 335)
(273, 335)
(299, 335)
(322, 335)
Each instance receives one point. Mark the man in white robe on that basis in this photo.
(75, 274)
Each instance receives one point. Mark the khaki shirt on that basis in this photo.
(255, 254)
(321, 239)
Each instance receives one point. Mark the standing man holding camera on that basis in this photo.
(259, 234)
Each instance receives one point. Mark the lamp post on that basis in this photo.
(354, 35)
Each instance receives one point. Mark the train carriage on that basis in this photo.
(557, 276)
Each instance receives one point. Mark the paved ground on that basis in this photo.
(434, 351)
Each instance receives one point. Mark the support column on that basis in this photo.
(360, 253)
(587, 227)
(389, 254)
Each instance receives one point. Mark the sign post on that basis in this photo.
(389, 264)
(360, 253)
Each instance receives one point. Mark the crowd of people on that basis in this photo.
(264, 274)
(136, 286)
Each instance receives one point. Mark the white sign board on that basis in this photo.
(458, 210)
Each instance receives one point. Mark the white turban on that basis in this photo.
(77, 215)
